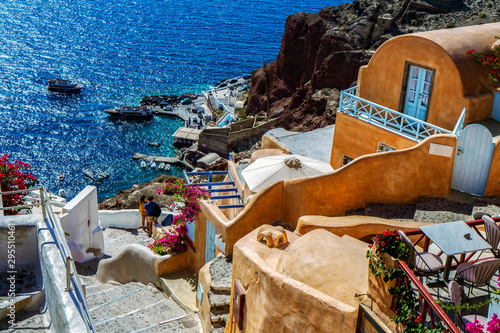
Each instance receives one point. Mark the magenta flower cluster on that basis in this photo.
(476, 327)
(493, 324)
(188, 195)
(175, 240)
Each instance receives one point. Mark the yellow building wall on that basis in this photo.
(355, 138)
(398, 176)
(276, 303)
(382, 80)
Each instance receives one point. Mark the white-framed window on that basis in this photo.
(346, 160)
(383, 147)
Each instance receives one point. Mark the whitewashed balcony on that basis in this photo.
(391, 120)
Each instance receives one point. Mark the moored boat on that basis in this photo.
(167, 167)
(131, 112)
(92, 174)
(64, 86)
(153, 143)
(161, 166)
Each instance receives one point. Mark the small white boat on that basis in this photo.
(91, 174)
(143, 164)
(62, 193)
(161, 166)
(102, 173)
(61, 177)
(167, 167)
(153, 165)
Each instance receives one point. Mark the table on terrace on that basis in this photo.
(450, 238)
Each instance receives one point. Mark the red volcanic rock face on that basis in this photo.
(325, 50)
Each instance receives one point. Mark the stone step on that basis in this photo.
(107, 292)
(219, 320)
(217, 329)
(147, 304)
(220, 289)
(152, 320)
(219, 302)
(220, 272)
(442, 210)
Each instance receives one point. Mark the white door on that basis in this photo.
(418, 92)
(210, 242)
(472, 159)
(84, 225)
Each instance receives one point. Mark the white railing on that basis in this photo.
(391, 120)
(73, 283)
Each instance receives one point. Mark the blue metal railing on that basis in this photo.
(394, 121)
(209, 184)
(460, 123)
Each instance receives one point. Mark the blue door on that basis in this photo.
(418, 92)
(472, 159)
(210, 242)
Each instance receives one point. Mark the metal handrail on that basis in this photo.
(428, 299)
(394, 121)
(55, 229)
(72, 277)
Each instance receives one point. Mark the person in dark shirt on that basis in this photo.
(153, 211)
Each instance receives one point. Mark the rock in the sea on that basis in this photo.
(129, 199)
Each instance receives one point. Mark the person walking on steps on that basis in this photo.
(142, 211)
(153, 211)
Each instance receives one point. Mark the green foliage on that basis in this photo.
(405, 298)
(450, 25)
(482, 15)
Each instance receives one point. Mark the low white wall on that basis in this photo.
(80, 220)
(125, 218)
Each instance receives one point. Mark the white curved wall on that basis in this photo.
(125, 218)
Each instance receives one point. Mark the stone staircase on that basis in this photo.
(219, 295)
(454, 207)
(134, 307)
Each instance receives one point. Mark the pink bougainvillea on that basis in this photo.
(176, 239)
(14, 176)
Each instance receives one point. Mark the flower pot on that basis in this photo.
(378, 289)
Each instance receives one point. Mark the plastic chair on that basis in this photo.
(426, 263)
(477, 274)
(492, 234)
(456, 299)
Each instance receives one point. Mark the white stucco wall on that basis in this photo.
(80, 220)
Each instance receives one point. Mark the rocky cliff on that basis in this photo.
(321, 53)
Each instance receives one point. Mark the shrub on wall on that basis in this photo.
(176, 239)
(14, 176)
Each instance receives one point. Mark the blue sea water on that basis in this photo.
(120, 51)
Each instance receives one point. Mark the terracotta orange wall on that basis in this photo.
(276, 303)
(493, 183)
(355, 138)
(398, 176)
(265, 208)
(381, 80)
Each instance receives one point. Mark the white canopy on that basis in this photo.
(268, 170)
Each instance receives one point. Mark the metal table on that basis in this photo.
(450, 238)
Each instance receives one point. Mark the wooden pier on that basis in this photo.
(163, 159)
